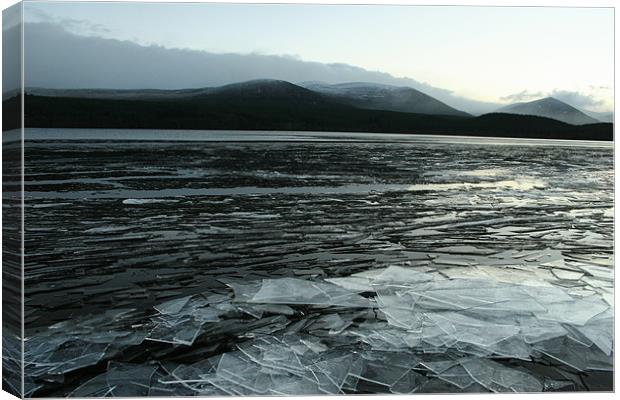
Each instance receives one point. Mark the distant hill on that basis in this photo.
(384, 97)
(550, 107)
(11, 113)
(601, 116)
(276, 105)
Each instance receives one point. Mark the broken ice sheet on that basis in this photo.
(567, 274)
(352, 283)
(332, 322)
(464, 249)
(576, 312)
(332, 373)
(398, 308)
(237, 368)
(173, 306)
(250, 310)
(191, 377)
(147, 201)
(61, 356)
(381, 336)
(80, 343)
(463, 294)
(440, 365)
(457, 375)
(196, 307)
(298, 291)
(535, 330)
(598, 271)
(470, 330)
(181, 320)
(267, 326)
(269, 352)
(409, 383)
(555, 385)
(273, 364)
(176, 330)
(402, 276)
(498, 378)
(515, 275)
(599, 330)
(288, 386)
(95, 387)
(559, 351)
(129, 380)
(275, 309)
(381, 374)
(358, 282)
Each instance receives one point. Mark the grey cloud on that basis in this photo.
(38, 15)
(59, 59)
(522, 96)
(11, 50)
(577, 99)
(79, 26)
(83, 26)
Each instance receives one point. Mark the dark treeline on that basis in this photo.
(234, 112)
(11, 113)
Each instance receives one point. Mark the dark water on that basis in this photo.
(116, 224)
(149, 135)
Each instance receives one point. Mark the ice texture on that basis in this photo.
(414, 330)
(321, 268)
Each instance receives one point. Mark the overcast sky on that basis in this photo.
(489, 54)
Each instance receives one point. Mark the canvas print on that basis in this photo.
(306, 199)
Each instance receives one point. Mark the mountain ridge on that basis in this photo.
(585, 117)
(279, 105)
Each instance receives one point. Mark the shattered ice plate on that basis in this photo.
(413, 328)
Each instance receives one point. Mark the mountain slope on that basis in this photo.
(550, 107)
(601, 116)
(375, 96)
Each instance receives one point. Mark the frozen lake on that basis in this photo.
(316, 262)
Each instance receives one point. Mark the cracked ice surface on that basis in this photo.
(456, 285)
(415, 331)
